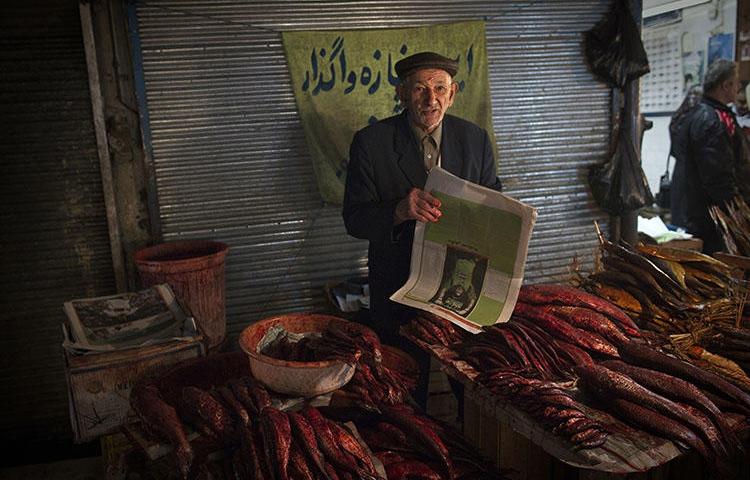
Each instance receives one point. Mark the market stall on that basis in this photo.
(640, 362)
(608, 388)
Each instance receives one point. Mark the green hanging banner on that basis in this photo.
(344, 80)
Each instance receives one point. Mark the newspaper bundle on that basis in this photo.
(468, 267)
(125, 320)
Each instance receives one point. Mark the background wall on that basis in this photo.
(691, 35)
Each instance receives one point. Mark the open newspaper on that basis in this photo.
(468, 266)
(125, 320)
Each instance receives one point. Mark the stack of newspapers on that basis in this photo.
(127, 320)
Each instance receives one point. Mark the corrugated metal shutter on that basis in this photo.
(54, 238)
(230, 157)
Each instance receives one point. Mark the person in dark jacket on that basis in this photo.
(707, 150)
(384, 195)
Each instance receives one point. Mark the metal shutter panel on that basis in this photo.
(55, 244)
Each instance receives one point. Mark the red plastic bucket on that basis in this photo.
(195, 271)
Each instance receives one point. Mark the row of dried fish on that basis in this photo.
(710, 348)
(411, 445)
(323, 444)
(156, 401)
(333, 343)
(731, 342)
(666, 290)
(218, 414)
(708, 299)
(549, 403)
(373, 383)
(670, 398)
(373, 387)
(559, 332)
(434, 330)
(522, 345)
(307, 445)
(733, 221)
(302, 445)
(553, 329)
(240, 417)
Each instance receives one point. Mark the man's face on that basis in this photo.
(462, 273)
(730, 88)
(427, 94)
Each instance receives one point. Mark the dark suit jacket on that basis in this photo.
(385, 162)
(705, 171)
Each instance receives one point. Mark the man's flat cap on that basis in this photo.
(410, 64)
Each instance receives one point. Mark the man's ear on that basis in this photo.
(454, 90)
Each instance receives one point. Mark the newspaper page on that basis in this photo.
(468, 266)
(126, 320)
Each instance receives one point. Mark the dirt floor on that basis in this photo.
(75, 469)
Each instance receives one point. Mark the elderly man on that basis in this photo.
(707, 148)
(388, 166)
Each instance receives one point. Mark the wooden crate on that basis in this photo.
(441, 403)
(99, 384)
(498, 442)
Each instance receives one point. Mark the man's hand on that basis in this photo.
(417, 205)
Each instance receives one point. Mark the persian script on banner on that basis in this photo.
(468, 266)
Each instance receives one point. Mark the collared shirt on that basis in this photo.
(431, 153)
(728, 119)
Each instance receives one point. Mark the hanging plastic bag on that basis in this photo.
(665, 188)
(619, 185)
(614, 49)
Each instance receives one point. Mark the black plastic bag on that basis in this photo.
(663, 196)
(613, 48)
(619, 185)
(665, 191)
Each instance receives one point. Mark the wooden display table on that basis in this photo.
(514, 440)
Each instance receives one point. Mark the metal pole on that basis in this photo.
(629, 221)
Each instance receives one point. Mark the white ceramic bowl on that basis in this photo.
(306, 379)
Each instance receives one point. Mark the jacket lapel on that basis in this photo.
(409, 160)
(451, 150)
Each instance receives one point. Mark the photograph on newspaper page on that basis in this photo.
(468, 266)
